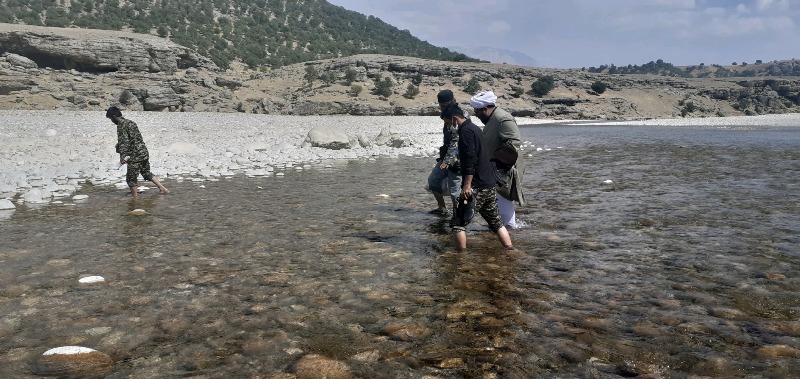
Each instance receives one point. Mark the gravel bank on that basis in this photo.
(48, 155)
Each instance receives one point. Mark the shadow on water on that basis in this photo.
(684, 264)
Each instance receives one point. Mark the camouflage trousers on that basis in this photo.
(136, 168)
(486, 205)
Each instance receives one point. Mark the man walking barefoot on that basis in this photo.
(132, 150)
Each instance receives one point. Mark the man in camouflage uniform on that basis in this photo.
(445, 173)
(132, 150)
(477, 181)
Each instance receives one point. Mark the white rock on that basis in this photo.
(92, 279)
(6, 204)
(80, 197)
(36, 196)
(608, 181)
(51, 132)
(69, 350)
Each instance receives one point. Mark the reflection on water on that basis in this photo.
(684, 264)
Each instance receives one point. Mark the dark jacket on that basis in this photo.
(474, 158)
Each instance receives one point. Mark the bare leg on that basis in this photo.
(440, 200)
(158, 184)
(134, 192)
(461, 241)
(505, 239)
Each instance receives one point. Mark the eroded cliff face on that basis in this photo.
(79, 69)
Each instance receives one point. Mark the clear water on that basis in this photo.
(685, 264)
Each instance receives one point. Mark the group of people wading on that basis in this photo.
(481, 170)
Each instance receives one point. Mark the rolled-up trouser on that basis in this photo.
(445, 181)
(486, 205)
(134, 169)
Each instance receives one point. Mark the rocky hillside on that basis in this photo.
(51, 68)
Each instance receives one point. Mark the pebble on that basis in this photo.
(138, 212)
(80, 197)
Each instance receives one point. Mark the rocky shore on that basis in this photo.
(49, 155)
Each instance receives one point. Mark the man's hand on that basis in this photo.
(443, 166)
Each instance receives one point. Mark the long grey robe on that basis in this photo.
(502, 130)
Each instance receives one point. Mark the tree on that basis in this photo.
(311, 75)
(417, 79)
(383, 86)
(411, 91)
(543, 86)
(473, 86)
(355, 89)
(599, 87)
(327, 78)
(350, 75)
(517, 91)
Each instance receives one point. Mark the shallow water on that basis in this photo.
(685, 264)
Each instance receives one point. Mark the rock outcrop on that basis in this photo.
(94, 51)
(78, 69)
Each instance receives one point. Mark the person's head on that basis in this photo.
(445, 97)
(483, 104)
(113, 114)
(454, 113)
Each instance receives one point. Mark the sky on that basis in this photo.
(590, 33)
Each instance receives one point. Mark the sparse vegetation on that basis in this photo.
(355, 89)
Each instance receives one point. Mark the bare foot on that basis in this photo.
(164, 191)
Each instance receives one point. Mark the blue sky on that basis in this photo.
(584, 33)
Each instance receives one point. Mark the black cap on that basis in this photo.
(113, 111)
(445, 96)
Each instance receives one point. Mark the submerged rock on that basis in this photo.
(318, 367)
(73, 361)
(137, 212)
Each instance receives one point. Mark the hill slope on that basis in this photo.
(259, 33)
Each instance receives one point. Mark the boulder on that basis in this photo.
(327, 138)
(18, 60)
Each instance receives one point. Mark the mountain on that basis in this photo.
(259, 33)
(496, 55)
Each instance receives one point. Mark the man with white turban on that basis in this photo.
(499, 134)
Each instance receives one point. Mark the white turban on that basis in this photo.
(483, 100)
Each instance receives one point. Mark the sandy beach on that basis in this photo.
(48, 155)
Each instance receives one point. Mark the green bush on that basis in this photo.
(599, 87)
(350, 75)
(411, 91)
(473, 86)
(543, 86)
(383, 87)
(356, 89)
(311, 75)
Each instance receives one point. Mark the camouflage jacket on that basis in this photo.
(451, 145)
(130, 142)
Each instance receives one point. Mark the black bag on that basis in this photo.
(502, 161)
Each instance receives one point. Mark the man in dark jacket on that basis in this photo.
(477, 180)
